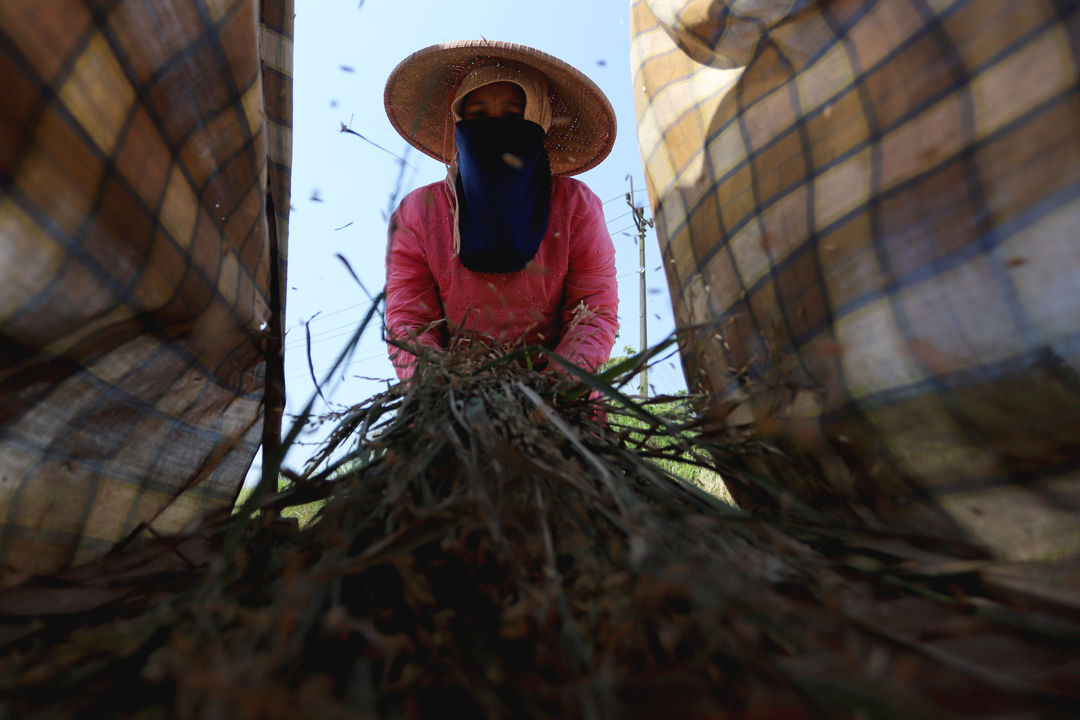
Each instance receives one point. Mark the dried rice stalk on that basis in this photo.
(490, 548)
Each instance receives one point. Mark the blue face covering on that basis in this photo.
(504, 192)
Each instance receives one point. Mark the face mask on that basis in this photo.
(503, 193)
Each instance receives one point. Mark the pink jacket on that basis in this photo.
(565, 299)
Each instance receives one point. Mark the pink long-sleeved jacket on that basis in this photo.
(565, 299)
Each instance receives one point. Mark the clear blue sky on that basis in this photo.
(341, 186)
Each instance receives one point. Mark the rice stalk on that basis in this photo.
(497, 541)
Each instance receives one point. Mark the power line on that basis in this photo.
(622, 196)
(339, 331)
(322, 370)
(323, 316)
(343, 331)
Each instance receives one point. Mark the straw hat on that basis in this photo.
(420, 89)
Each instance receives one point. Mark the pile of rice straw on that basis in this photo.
(495, 544)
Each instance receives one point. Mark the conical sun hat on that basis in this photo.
(420, 89)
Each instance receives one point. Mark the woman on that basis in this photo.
(507, 249)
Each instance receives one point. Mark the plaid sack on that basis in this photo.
(869, 214)
(144, 195)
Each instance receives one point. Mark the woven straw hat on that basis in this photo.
(420, 89)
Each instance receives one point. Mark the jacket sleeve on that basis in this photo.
(413, 309)
(591, 294)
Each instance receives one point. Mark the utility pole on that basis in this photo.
(642, 224)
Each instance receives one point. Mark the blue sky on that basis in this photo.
(341, 185)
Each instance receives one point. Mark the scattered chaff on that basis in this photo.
(496, 542)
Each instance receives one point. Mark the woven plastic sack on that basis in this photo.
(137, 142)
(869, 214)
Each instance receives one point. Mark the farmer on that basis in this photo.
(507, 248)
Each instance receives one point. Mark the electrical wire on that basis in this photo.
(306, 373)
